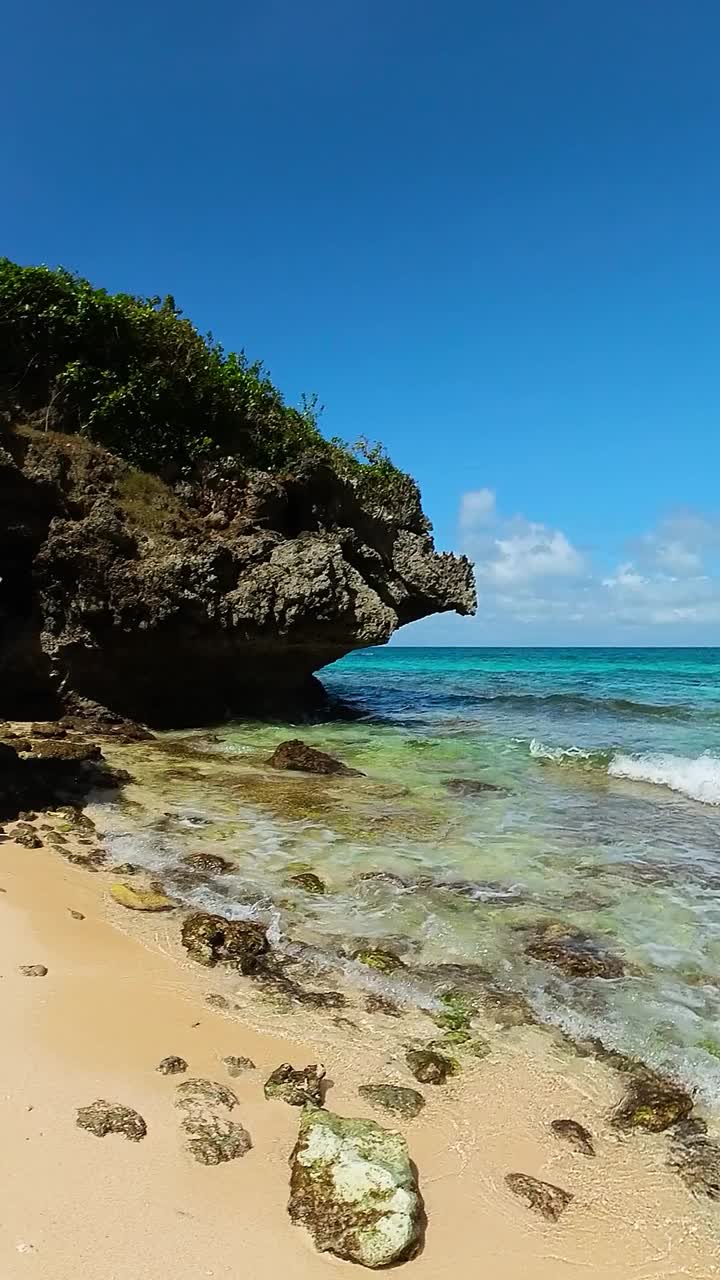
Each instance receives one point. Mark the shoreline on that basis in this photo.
(120, 995)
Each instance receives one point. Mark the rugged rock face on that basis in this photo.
(186, 604)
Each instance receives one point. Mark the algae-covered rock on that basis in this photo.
(211, 1137)
(407, 1103)
(172, 1066)
(544, 1197)
(429, 1066)
(353, 1187)
(212, 939)
(101, 1118)
(212, 863)
(474, 787)
(574, 1133)
(573, 952)
(296, 1087)
(379, 958)
(299, 757)
(652, 1103)
(140, 899)
(308, 881)
(457, 1012)
(696, 1157)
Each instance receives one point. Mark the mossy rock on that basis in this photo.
(458, 1011)
(308, 881)
(380, 959)
(102, 1118)
(353, 1187)
(407, 1103)
(652, 1103)
(299, 1087)
(140, 899)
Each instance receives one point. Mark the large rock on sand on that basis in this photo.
(353, 1187)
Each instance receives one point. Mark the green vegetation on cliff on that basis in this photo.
(134, 375)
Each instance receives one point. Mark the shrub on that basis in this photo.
(135, 375)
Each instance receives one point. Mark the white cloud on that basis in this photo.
(531, 575)
(477, 508)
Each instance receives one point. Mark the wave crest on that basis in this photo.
(697, 777)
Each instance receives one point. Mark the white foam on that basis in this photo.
(540, 751)
(697, 777)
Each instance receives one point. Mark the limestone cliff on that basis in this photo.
(182, 605)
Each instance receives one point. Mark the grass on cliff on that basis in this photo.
(136, 376)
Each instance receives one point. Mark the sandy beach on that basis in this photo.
(119, 996)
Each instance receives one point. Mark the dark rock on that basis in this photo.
(576, 1134)
(299, 757)
(574, 953)
(210, 862)
(27, 815)
(211, 1137)
(473, 787)
(508, 1008)
(47, 729)
(296, 1087)
(217, 1001)
(354, 1188)
(696, 1157)
(211, 940)
(79, 752)
(33, 970)
(652, 1103)
(28, 837)
(321, 999)
(76, 915)
(172, 1066)
(429, 1066)
(308, 881)
(543, 1197)
(101, 1118)
(407, 1103)
(238, 1066)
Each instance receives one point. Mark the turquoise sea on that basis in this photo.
(606, 819)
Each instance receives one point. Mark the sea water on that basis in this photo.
(606, 819)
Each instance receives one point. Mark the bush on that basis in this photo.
(135, 375)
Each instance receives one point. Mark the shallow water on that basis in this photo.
(608, 820)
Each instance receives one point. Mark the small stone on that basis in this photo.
(76, 915)
(298, 756)
(172, 1066)
(308, 881)
(202, 1092)
(140, 899)
(238, 1066)
(543, 1197)
(575, 1134)
(379, 1004)
(296, 1087)
(27, 815)
(430, 1067)
(124, 869)
(33, 970)
(101, 1118)
(354, 1188)
(407, 1103)
(218, 1001)
(27, 836)
(378, 958)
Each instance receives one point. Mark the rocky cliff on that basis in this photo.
(179, 605)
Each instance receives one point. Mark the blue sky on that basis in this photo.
(485, 233)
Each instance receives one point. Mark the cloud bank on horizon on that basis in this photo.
(536, 587)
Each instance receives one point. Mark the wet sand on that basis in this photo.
(120, 995)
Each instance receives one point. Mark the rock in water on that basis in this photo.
(140, 899)
(575, 1134)
(212, 939)
(430, 1067)
(696, 1157)
(299, 757)
(102, 1117)
(238, 1066)
(543, 1197)
(353, 1187)
(296, 1087)
(407, 1103)
(652, 1103)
